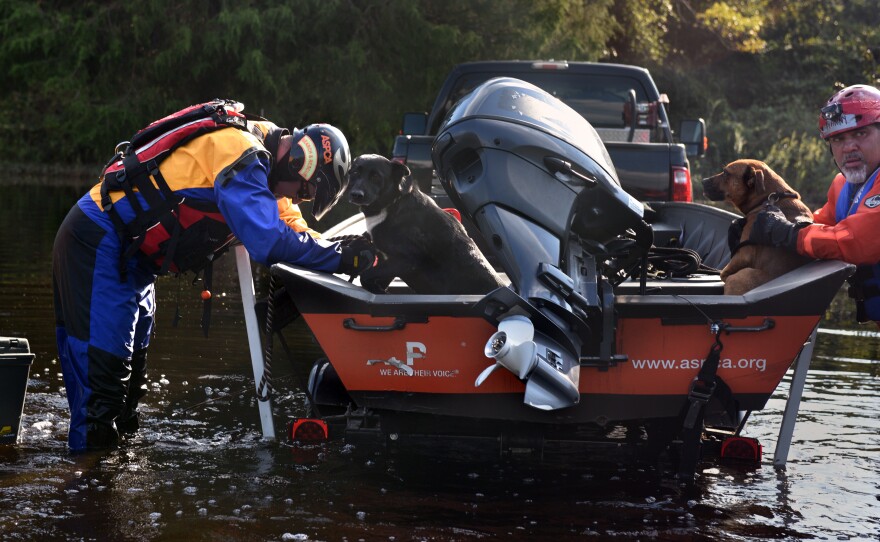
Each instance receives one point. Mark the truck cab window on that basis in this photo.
(602, 100)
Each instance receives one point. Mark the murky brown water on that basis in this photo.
(199, 470)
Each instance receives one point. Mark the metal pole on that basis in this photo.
(796, 390)
(246, 282)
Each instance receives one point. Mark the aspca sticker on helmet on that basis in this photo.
(843, 122)
(328, 149)
(872, 202)
(310, 157)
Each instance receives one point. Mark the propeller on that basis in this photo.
(512, 347)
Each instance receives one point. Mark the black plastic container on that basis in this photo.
(15, 367)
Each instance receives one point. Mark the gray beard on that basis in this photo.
(855, 175)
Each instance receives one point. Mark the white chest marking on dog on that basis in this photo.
(375, 220)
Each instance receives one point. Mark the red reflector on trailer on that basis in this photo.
(308, 430)
(742, 449)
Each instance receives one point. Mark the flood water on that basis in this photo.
(199, 469)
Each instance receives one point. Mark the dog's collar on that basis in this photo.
(772, 199)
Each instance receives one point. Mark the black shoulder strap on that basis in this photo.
(704, 387)
(734, 233)
(146, 178)
(271, 142)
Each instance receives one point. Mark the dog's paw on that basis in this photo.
(373, 289)
(373, 283)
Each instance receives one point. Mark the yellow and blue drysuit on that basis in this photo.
(104, 318)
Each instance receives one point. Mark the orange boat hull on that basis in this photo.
(428, 364)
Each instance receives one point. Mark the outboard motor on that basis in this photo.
(537, 182)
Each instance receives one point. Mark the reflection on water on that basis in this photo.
(199, 470)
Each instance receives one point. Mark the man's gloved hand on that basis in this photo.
(772, 228)
(346, 240)
(357, 256)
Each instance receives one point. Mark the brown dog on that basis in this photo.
(748, 185)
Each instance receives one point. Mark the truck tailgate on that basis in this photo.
(643, 168)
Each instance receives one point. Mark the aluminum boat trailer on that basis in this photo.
(799, 368)
(596, 330)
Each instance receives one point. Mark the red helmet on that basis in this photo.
(319, 155)
(854, 107)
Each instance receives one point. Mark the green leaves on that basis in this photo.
(737, 29)
(79, 77)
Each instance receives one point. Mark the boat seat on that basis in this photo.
(697, 227)
(692, 226)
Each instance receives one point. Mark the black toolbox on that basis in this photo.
(15, 367)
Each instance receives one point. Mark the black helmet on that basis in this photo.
(319, 155)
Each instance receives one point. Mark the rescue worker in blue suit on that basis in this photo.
(241, 182)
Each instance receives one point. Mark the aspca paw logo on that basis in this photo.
(872, 202)
(413, 365)
(414, 351)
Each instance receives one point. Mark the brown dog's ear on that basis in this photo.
(754, 179)
(749, 176)
(759, 182)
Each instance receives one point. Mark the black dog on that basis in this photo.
(420, 243)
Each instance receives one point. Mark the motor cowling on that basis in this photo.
(538, 183)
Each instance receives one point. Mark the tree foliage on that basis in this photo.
(79, 77)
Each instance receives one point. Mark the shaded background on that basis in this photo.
(79, 77)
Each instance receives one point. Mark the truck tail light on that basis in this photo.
(550, 65)
(681, 184)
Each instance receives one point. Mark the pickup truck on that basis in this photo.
(620, 101)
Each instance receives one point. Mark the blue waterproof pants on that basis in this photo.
(103, 327)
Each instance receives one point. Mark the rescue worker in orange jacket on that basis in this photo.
(846, 227)
(237, 181)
